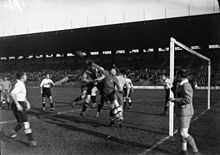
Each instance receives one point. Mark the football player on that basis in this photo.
(46, 85)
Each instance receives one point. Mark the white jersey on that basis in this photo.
(121, 81)
(46, 83)
(19, 91)
(129, 83)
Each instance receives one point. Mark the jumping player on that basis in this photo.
(46, 85)
(90, 81)
(20, 106)
(112, 92)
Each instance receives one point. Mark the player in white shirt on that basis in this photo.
(167, 86)
(128, 90)
(6, 88)
(46, 85)
(20, 106)
(1, 97)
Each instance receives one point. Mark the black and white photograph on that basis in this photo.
(109, 77)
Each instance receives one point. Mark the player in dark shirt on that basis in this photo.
(110, 93)
(90, 80)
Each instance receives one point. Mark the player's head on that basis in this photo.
(123, 72)
(47, 75)
(90, 64)
(21, 76)
(182, 74)
(5, 78)
(113, 71)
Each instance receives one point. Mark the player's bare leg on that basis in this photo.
(100, 106)
(85, 105)
(93, 97)
(79, 98)
(186, 138)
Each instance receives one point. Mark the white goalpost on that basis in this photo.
(173, 43)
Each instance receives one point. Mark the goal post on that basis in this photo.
(173, 43)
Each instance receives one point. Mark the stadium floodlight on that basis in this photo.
(173, 43)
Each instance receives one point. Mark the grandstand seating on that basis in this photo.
(144, 68)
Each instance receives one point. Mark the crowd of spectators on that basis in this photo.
(145, 76)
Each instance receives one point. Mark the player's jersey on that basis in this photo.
(122, 82)
(109, 83)
(46, 83)
(6, 85)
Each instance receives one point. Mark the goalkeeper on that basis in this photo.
(184, 111)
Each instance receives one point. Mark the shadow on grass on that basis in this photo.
(143, 113)
(59, 122)
(5, 138)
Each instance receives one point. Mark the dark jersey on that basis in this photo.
(87, 78)
(109, 83)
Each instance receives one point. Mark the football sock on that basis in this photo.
(192, 143)
(17, 127)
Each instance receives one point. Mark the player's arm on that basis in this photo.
(28, 104)
(52, 83)
(85, 78)
(10, 87)
(41, 86)
(100, 78)
(99, 67)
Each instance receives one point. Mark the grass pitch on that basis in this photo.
(66, 133)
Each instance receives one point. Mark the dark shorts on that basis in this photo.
(21, 116)
(46, 92)
(88, 88)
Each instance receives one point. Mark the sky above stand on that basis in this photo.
(30, 16)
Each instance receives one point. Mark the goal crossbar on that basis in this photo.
(190, 50)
